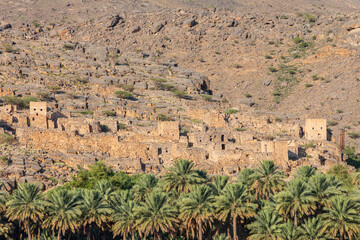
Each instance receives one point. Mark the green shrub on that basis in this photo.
(298, 40)
(4, 160)
(158, 80)
(310, 18)
(68, 46)
(85, 112)
(273, 69)
(164, 118)
(231, 111)
(23, 102)
(43, 95)
(6, 139)
(308, 85)
(121, 126)
(109, 113)
(248, 95)
(267, 56)
(180, 94)
(332, 123)
(206, 97)
(315, 77)
(127, 87)
(240, 129)
(105, 128)
(123, 94)
(308, 145)
(165, 87)
(354, 135)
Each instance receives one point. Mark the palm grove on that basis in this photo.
(186, 203)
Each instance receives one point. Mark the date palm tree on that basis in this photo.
(323, 188)
(296, 201)
(311, 229)
(62, 211)
(342, 218)
(267, 226)
(247, 177)
(289, 231)
(123, 213)
(234, 203)
(156, 215)
(305, 172)
(198, 206)
(144, 186)
(269, 179)
(105, 188)
(218, 183)
(95, 211)
(181, 177)
(26, 205)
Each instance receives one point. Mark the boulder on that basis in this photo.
(190, 22)
(113, 21)
(158, 26)
(353, 24)
(4, 25)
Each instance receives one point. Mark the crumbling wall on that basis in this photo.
(315, 129)
(169, 129)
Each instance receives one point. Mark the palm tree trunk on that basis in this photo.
(124, 236)
(200, 230)
(28, 229)
(234, 228)
(88, 235)
(132, 235)
(295, 219)
(59, 235)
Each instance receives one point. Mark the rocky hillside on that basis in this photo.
(124, 65)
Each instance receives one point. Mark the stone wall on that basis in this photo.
(315, 129)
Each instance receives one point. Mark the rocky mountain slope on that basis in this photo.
(286, 60)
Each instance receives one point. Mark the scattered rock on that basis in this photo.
(190, 22)
(158, 26)
(267, 82)
(114, 20)
(4, 25)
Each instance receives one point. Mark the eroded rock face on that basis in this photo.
(354, 37)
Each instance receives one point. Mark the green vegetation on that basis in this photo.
(248, 95)
(6, 138)
(309, 17)
(121, 126)
(180, 94)
(308, 145)
(21, 102)
(286, 79)
(84, 112)
(68, 46)
(231, 111)
(332, 123)
(207, 98)
(127, 87)
(187, 203)
(354, 135)
(109, 113)
(240, 129)
(163, 117)
(123, 94)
